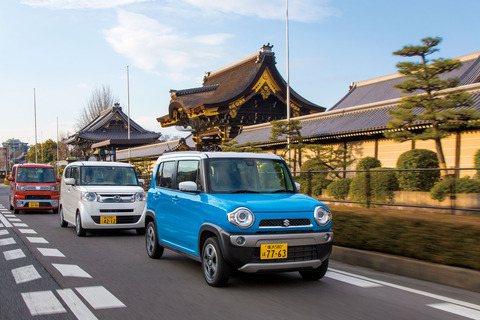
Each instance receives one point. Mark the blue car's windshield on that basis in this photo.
(248, 176)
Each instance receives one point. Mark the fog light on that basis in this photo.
(326, 237)
(240, 241)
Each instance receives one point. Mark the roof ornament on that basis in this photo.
(265, 50)
(351, 86)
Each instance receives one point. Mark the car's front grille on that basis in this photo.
(275, 223)
(37, 197)
(294, 254)
(120, 219)
(116, 198)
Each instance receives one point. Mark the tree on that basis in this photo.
(289, 129)
(46, 152)
(437, 111)
(101, 99)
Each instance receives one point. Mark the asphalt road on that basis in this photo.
(47, 272)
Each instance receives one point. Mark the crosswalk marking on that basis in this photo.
(71, 270)
(37, 240)
(3, 232)
(5, 221)
(7, 241)
(99, 297)
(13, 254)
(27, 231)
(47, 252)
(459, 310)
(19, 224)
(25, 274)
(78, 308)
(42, 302)
(14, 220)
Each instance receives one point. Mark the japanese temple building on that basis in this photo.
(247, 92)
(109, 132)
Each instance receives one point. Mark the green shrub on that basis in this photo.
(339, 189)
(417, 180)
(368, 163)
(476, 162)
(379, 186)
(454, 185)
(318, 182)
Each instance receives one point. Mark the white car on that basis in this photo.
(101, 195)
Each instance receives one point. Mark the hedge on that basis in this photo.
(434, 238)
(417, 180)
(457, 185)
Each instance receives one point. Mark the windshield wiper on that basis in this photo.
(245, 191)
(281, 191)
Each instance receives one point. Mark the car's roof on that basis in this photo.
(99, 164)
(37, 165)
(216, 155)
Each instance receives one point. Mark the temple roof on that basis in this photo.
(227, 84)
(111, 124)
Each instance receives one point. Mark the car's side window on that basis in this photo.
(188, 170)
(165, 173)
(158, 176)
(75, 173)
(67, 172)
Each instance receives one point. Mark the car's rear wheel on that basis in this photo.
(216, 270)
(154, 250)
(63, 223)
(81, 232)
(315, 274)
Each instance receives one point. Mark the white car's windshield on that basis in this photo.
(248, 176)
(35, 175)
(108, 176)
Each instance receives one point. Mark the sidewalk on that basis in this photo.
(452, 276)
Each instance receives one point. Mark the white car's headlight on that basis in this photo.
(140, 196)
(89, 196)
(241, 217)
(21, 188)
(322, 216)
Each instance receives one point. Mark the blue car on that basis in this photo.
(239, 211)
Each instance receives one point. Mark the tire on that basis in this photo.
(315, 274)
(16, 211)
(141, 231)
(216, 270)
(11, 207)
(154, 250)
(63, 223)
(78, 228)
(55, 211)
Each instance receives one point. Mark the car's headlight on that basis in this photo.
(242, 218)
(140, 196)
(322, 216)
(89, 196)
(21, 188)
(54, 188)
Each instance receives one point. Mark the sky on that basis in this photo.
(55, 53)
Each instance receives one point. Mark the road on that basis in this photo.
(47, 272)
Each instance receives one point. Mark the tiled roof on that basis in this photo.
(154, 150)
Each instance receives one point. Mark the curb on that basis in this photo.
(452, 276)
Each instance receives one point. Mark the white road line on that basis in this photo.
(7, 241)
(461, 311)
(1, 225)
(71, 270)
(25, 274)
(27, 231)
(5, 222)
(79, 309)
(37, 240)
(9, 215)
(20, 225)
(351, 280)
(47, 252)
(3, 232)
(415, 291)
(14, 254)
(42, 302)
(14, 220)
(100, 298)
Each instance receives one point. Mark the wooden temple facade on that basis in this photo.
(246, 92)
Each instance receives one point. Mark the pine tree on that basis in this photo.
(432, 108)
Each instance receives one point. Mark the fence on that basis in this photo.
(455, 202)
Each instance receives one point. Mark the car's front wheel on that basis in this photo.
(315, 274)
(63, 223)
(81, 232)
(154, 250)
(216, 270)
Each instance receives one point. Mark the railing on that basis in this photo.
(452, 202)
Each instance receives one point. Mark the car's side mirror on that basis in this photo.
(141, 182)
(297, 185)
(70, 181)
(188, 186)
(10, 178)
(58, 179)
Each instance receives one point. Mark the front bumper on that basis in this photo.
(305, 251)
(36, 204)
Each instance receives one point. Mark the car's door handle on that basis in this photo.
(175, 199)
(155, 195)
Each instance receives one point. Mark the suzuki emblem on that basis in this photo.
(286, 223)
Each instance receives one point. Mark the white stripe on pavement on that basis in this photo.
(20, 225)
(37, 240)
(458, 310)
(27, 231)
(78, 308)
(100, 298)
(3, 232)
(14, 254)
(25, 274)
(14, 220)
(47, 252)
(351, 280)
(42, 302)
(71, 270)
(7, 241)
(5, 221)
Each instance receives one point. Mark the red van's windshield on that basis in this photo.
(35, 175)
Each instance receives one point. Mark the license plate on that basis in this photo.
(273, 251)
(108, 219)
(33, 205)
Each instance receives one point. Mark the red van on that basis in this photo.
(33, 187)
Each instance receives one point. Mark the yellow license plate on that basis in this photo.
(33, 205)
(108, 219)
(273, 251)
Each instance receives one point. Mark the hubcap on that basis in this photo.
(210, 262)
(150, 240)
